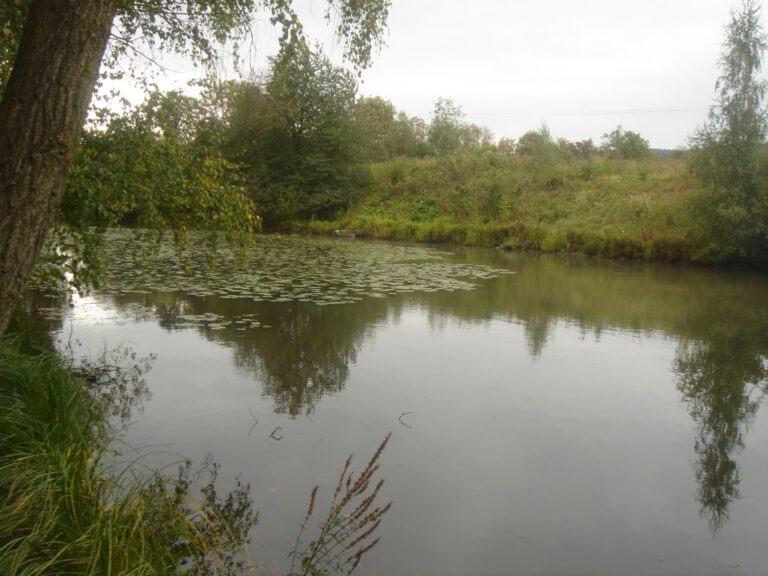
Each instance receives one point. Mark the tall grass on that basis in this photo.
(63, 511)
(638, 209)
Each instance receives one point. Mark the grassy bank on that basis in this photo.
(63, 510)
(613, 208)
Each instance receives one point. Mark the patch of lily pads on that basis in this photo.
(286, 268)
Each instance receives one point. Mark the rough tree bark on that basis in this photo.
(41, 115)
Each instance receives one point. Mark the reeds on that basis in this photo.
(347, 532)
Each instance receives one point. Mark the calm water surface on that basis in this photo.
(549, 415)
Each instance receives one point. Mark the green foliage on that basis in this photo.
(488, 197)
(361, 24)
(63, 510)
(506, 146)
(474, 136)
(375, 118)
(408, 137)
(199, 28)
(72, 257)
(445, 127)
(193, 28)
(539, 145)
(533, 141)
(12, 17)
(136, 171)
(625, 145)
(157, 168)
(584, 149)
(728, 154)
(296, 137)
(448, 132)
(386, 134)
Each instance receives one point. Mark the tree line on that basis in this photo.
(295, 144)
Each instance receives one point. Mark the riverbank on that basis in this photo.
(634, 209)
(65, 510)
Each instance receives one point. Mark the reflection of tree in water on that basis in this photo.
(299, 352)
(307, 351)
(114, 377)
(721, 318)
(38, 316)
(537, 329)
(723, 381)
(115, 380)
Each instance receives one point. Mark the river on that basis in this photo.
(549, 415)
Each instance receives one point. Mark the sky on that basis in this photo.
(582, 67)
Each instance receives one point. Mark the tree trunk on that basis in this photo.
(41, 115)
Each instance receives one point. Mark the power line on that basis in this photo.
(607, 112)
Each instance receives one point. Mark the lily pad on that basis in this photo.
(285, 269)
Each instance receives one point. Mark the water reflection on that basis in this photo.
(114, 376)
(300, 351)
(308, 353)
(723, 381)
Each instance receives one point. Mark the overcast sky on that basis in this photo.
(580, 66)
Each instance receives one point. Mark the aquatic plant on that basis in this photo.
(281, 269)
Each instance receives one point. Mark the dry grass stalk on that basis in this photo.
(352, 519)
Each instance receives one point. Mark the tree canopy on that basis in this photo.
(448, 131)
(203, 30)
(729, 151)
(295, 137)
(156, 167)
(625, 144)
